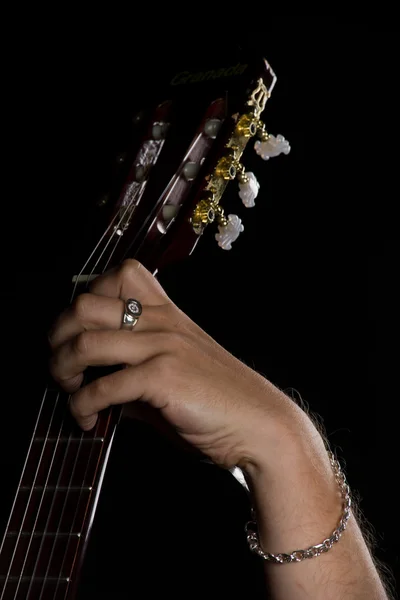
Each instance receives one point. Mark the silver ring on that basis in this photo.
(131, 314)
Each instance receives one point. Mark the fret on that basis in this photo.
(54, 408)
(57, 549)
(53, 488)
(49, 588)
(54, 547)
(75, 502)
(15, 534)
(56, 420)
(54, 502)
(63, 440)
(27, 578)
(57, 462)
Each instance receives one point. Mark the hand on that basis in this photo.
(211, 399)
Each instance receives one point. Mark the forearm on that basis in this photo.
(298, 504)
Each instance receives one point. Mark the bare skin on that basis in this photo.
(221, 408)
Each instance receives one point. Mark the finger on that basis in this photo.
(130, 280)
(133, 383)
(90, 311)
(99, 348)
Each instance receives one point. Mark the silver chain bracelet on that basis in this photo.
(299, 555)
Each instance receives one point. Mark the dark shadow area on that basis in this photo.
(314, 274)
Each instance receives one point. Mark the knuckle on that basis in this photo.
(172, 316)
(102, 387)
(171, 342)
(83, 343)
(82, 306)
(166, 365)
(169, 312)
(129, 268)
(175, 341)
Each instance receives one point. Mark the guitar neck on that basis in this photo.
(54, 507)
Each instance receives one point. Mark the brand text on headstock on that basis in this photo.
(187, 77)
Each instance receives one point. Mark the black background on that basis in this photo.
(308, 296)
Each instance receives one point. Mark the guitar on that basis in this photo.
(167, 194)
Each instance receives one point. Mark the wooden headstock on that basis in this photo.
(186, 150)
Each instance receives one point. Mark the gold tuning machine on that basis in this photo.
(247, 125)
(226, 166)
(204, 213)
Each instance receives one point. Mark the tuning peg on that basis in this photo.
(159, 130)
(248, 185)
(168, 214)
(212, 127)
(272, 146)
(190, 170)
(229, 230)
(248, 189)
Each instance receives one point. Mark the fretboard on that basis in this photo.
(45, 538)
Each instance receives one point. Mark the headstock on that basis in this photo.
(186, 150)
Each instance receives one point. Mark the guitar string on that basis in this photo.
(23, 469)
(92, 446)
(78, 503)
(138, 195)
(73, 294)
(35, 430)
(94, 250)
(167, 191)
(6, 582)
(70, 483)
(62, 423)
(155, 158)
(132, 205)
(33, 484)
(113, 235)
(51, 507)
(65, 453)
(27, 506)
(116, 242)
(137, 198)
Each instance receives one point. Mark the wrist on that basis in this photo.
(282, 438)
(292, 484)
